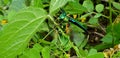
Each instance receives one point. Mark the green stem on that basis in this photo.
(110, 7)
(76, 50)
(102, 15)
(48, 34)
(110, 17)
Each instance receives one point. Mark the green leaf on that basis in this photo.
(32, 53)
(78, 38)
(24, 14)
(115, 29)
(17, 5)
(93, 21)
(64, 39)
(99, 8)
(25, 54)
(107, 38)
(116, 5)
(17, 33)
(37, 3)
(92, 52)
(38, 47)
(7, 1)
(116, 54)
(97, 15)
(35, 51)
(1, 3)
(98, 55)
(89, 5)
(84, 53)
(1, 17)
(67, 47)
(46, 52)
(56, 4)
(102, 46)
(74, 7)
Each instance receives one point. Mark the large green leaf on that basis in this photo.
(56, 4)
(17, 33)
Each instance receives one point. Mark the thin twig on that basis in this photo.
(99, 34)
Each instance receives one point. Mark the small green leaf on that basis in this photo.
(116, 5)
(107, 38)
(97, 15)
(92, 52)
(7, 1)
(89, 5)
(115, 29)
(116, 54)
(97, 55)
(32, 53)
(1, 17)
(78, 38)
(75, 7)
(84, 53)
(35, 51)
(1, 2)
(64, 40)
(56, 4)
(46, 52)
(93, 21)
(102, 46)
(37, 3)
(99, 8)
(67, 47)
(25, 54)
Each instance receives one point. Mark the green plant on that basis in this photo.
(34, 30)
